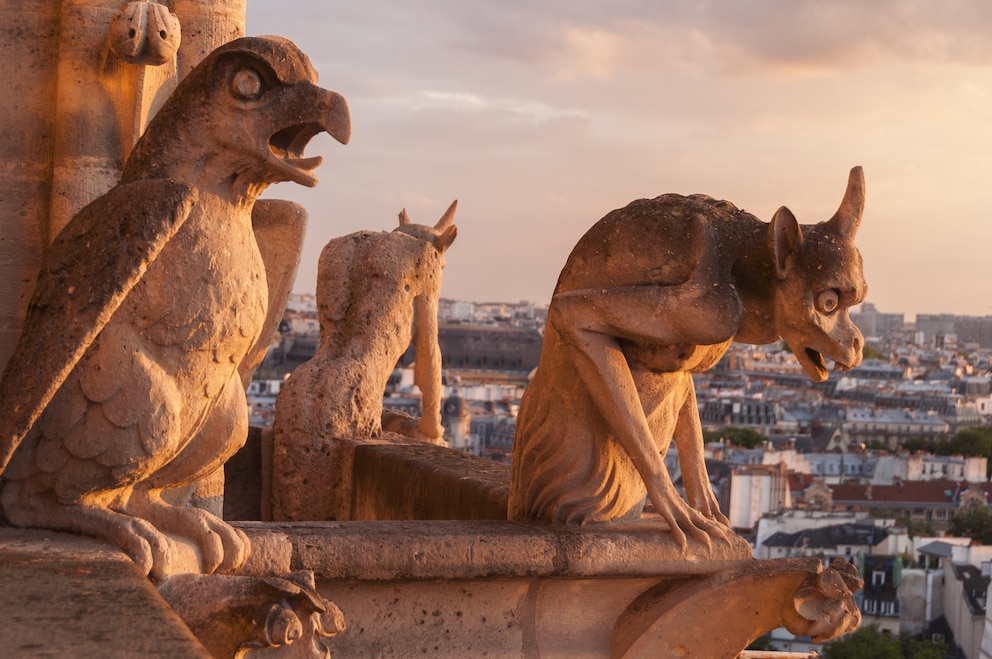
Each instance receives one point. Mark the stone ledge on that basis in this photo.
(472, 549)
(68, 596)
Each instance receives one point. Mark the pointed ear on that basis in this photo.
(846, 220)
(404, 218)
(448, 217)
(785, 238)
(445, 238)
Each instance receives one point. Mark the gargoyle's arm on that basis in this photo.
(427, 368)
(592, 321)
(689, 441)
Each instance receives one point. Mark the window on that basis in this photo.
(878, 578)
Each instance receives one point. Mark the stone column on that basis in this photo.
(29, 50)
(70, 113)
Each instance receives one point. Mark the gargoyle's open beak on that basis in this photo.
(329, 113)
(815, 365)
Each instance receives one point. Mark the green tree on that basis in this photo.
(869, 643)
(970, 442)
(918, 445)
(743, 437)
(878, 445)
(973, 522)
(919, 649)
(865, 643)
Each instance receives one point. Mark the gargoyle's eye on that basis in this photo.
(246, 85)
(827, 301)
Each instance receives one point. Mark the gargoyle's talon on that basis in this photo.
(211, 550)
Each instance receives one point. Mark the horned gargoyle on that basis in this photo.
(126, 381)
(652, 293)
(375, 291)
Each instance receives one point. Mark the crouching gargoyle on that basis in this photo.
(652, 293)
(127, 380)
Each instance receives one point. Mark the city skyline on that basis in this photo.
(541, 117)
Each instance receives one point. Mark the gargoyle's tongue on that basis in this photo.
(306, 164)
(816, 358)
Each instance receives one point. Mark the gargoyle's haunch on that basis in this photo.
(652, 293)
(126, 378)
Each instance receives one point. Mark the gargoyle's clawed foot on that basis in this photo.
(223, 548)
(686, 522)
(701, 499)
(152, 551)
(711, 510)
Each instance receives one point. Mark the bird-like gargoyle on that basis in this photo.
(652, 293)
(126, 382)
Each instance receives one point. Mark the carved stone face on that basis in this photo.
(812, 303)
(818, 278)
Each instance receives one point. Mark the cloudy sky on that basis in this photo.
(540, 116)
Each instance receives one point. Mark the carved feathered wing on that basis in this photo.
(279, 228)
(85, 275)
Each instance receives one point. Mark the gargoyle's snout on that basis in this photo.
(855, 354)
(845, 360)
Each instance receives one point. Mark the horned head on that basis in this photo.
(441, 235)
(818, 278)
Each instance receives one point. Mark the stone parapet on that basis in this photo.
(499, 588)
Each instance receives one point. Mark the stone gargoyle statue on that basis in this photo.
(127, 378)
(375, 292)
(652, 293)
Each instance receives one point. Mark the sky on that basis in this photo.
(541, 116)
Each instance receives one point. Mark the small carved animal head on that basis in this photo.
(144, 33)
(441, 235)
(819, 278)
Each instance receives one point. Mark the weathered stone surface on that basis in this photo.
(407, 480)
(148, 305)
(375, 292)
(371, 479)
(498, 588)
(652, 293)
(29, 50)
(456, 549)
(66, 596)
